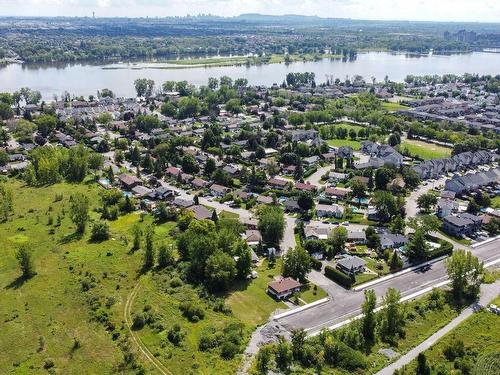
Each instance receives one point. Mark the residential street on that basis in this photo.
(488, 293)
(315, 178)
(411, 203)
(347, 303)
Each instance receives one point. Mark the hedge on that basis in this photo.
(316, 264)
(310, 171)
(446, 248)
(338, 276)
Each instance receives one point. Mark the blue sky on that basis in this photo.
(432, 10)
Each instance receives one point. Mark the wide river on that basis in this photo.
(86, 79)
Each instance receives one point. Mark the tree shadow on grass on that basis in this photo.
(76, 236)
(18, 282)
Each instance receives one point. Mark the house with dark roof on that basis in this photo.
(292, 205)
(390, 240)
(462, 225)
(351, 264)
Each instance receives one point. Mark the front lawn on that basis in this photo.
(249, 299)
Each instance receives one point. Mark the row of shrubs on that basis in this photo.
(338, 276)
(446, 248)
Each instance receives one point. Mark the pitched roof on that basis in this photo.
(284, 285)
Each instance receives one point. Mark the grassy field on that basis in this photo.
(42, 317)
(495, 202)
(425, 150)
(479, 334)
(348, 126)
(390, 106)
(81, 287)
(356, 145)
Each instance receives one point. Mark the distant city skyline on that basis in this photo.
(418, 10)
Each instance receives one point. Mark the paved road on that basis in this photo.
(315, 178)
(347, 303)
(488, 293)
(411, 203)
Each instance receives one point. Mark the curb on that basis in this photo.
(392, 275)
(301, 308)
(403, 299)
(485, 242)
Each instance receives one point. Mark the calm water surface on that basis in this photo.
(86, 79)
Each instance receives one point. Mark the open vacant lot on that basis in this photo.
(425, 150)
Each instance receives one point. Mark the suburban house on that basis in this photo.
(337, 193)
(350, 264)
(201, 212)
(253, 237)
(264, 199)
(472, 181)
(275, 183)
(140, 191)
(356, 236)
(445, 207)
(283, 288)
(305, 187)
(292, 205)
(128, 181)
(161, 193)
(326, 210)
(392, 240)
(219, 190)
(461, 225)
(312, 232)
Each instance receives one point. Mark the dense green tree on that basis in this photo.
(271, 224)
(465, 272)
(283, 355)
(166, 256)
(149, 250)
(369, 318)
(417, 247)
(264, 357)
(372, 238)
(426, 201)
(220, 270)
(386, 205)
(6, 205)
(100, 231)
(392, 324)
(296, 264)
(46, 124)
(25, 261)
(337, 240)
(79, 211)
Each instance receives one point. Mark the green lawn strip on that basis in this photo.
(479, 333)
(249, 299)
(425, 150)
(229, 215)
(309, 294)
(461, 241)
(356, 145)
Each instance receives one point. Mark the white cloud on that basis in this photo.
(442, 10)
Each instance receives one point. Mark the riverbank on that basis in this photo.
(223, 61)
